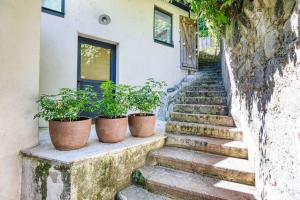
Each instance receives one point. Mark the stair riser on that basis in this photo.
(201, 110)
(203, 100)
(207, 147)
(207, 82)
(205, 87)
(207, 132)
(207, 170)
(205, 94)
(176, 193)
(203, 119)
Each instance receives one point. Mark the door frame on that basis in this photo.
(113, 59)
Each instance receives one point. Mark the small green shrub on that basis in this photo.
(115, 100)
(138, 178)
(66, 105)
(148, 97)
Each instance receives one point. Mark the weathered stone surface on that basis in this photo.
(205, 93)
(205, 86)
(189, 186)
(137, 193)
(263, 97)
(211, 145)
(201, 109)
(220, 120)
(95, 172)
(206, 130)
(221, 167)
(202, 100)
(272, 43)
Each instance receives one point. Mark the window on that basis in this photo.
(163, 29)
(54, 7)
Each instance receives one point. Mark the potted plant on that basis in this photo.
(145, 99)
(112, 124)
(68, 130)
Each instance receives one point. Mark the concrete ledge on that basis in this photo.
(95, 172)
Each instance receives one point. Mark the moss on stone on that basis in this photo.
(66, 178)
(41, 173)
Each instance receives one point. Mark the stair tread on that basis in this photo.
(133, 192)
(203, 115)
(233, 129)
(218, 120)
(212, 145)
(213, 160)
(200, 105)
(194, 186)
(211, 140)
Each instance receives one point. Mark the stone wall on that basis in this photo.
(261, 70)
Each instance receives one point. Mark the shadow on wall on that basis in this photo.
(261, 43)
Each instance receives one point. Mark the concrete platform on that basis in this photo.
(95, 172)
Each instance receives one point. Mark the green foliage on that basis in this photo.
(203, 30)
(214, 12)
(137, 178)
(115, 100)
(66, 105)
(148, 97)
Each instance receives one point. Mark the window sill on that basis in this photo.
(164, 43)
(53, 12)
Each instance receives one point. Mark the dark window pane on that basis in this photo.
(163, 27)
(55, 5)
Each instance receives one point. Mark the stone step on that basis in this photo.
(137, 193)
(209, 82)
(224, 147)
(207, 130)
(213, 69)
(205, 86)
(216, 166)
(189, 186)
(202, 100)
(201, 109)
(205, 93)
(218, 120)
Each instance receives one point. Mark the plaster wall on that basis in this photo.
(131, 29)
(261, 70)
(19, 87)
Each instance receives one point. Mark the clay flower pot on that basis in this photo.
(142, 125)
(111, 130)
(70, 135)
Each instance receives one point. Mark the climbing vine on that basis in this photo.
(216, 13)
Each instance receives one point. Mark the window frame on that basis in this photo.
(55, 12)
(170, 15)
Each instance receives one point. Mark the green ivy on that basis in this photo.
(214, 12)
(66, 105)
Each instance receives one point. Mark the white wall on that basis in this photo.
(19, 88)
(131, 27)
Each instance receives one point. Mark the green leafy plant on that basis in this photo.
(138, 178)
(148, 97)
(66, 105)
(216, 13)
(115, 100)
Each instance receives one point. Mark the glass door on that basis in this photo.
(96, 63)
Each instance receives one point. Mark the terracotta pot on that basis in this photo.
(111, 130)
(141, 125)
(70, 135)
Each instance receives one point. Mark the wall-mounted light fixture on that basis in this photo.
(104, 19)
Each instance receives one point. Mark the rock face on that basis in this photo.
(261, 71)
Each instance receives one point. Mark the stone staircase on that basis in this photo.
(204, 156)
